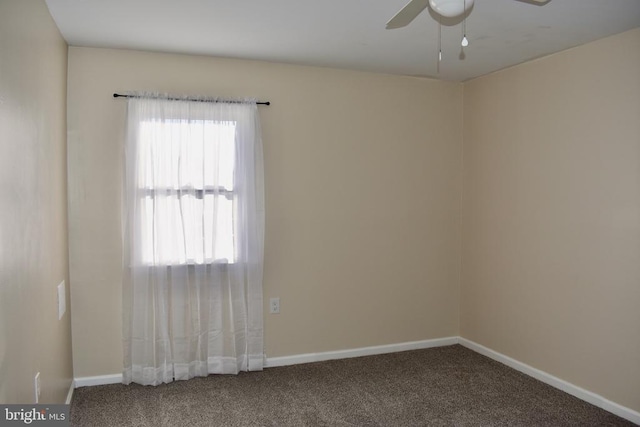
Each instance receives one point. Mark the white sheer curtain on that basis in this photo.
(193, 239)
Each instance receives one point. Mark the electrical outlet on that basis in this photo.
(36, 381)
(274, 305)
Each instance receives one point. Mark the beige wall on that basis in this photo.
(33, 206)
(363, 183)
(551, 215)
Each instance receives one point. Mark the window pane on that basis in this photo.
(186, 154)
(218, 229)
(221, 153)
(187, 229)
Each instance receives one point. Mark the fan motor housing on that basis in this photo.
(450, 8)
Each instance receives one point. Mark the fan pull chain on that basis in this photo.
(465, 41)
(439, 43)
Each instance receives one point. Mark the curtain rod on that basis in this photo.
(117, 95)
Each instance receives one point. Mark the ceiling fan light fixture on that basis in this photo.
(450, 8)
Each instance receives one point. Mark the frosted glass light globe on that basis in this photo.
(450, 8)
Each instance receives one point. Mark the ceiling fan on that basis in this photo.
(444, 8)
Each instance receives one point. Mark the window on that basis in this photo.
(186, 191)
(193, 233)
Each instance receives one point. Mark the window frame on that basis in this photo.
(230, 193)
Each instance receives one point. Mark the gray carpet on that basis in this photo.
(445, 386)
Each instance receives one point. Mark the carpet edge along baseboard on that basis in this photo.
(272, 362)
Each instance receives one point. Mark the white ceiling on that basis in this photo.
(344, 33)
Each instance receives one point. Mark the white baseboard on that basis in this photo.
(272, 362)
(567, 387)
(303, 358)
(98, 380)
(70, 393)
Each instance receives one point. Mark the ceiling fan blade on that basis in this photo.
(407, 14)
